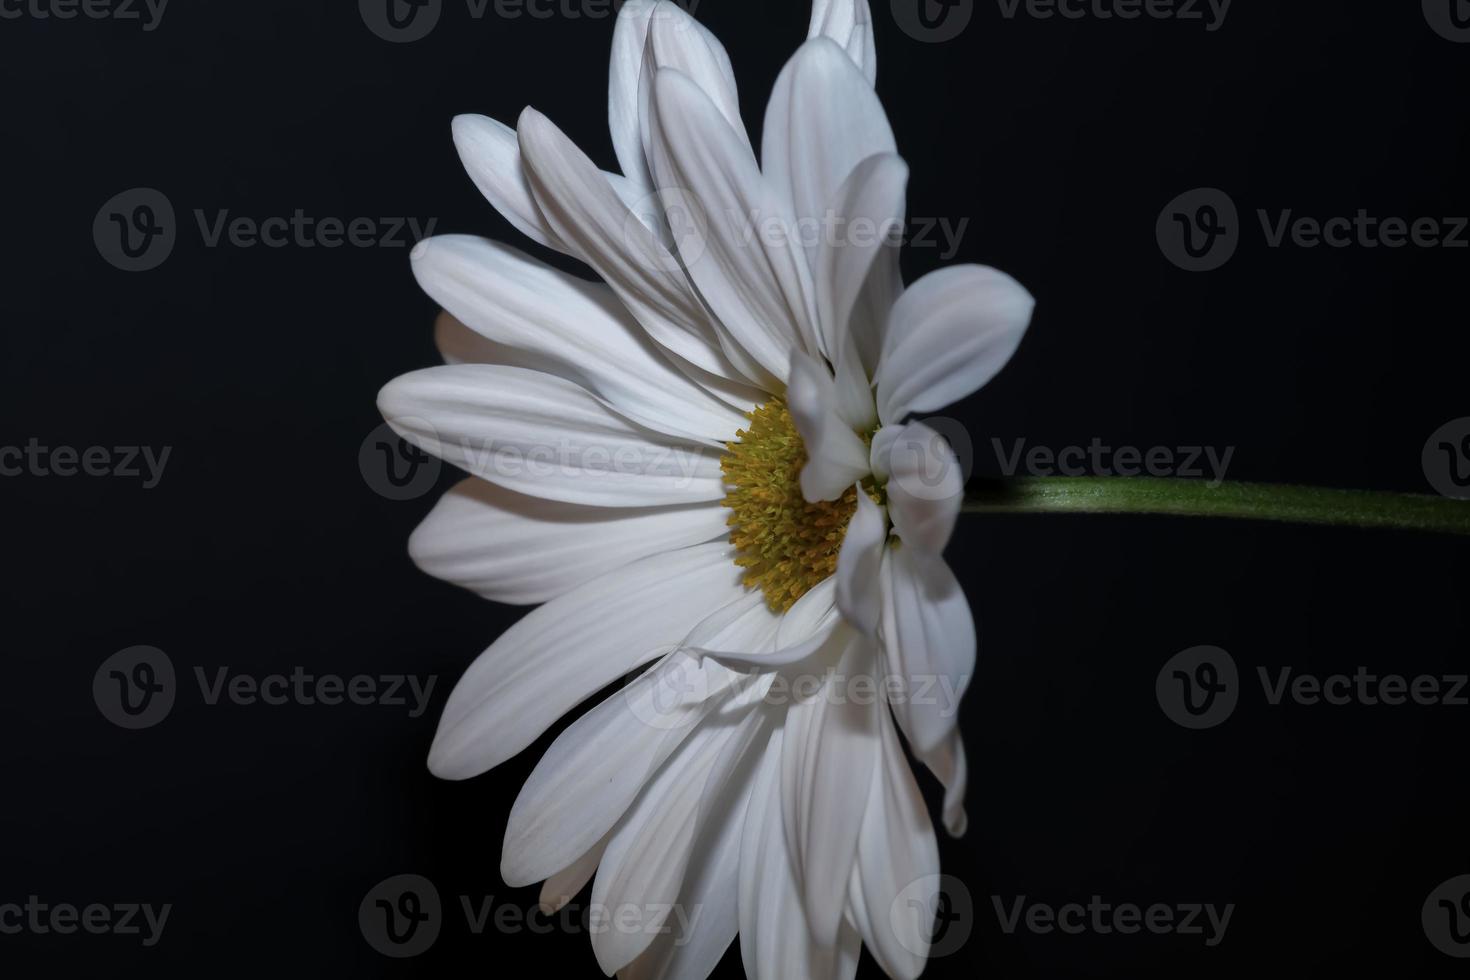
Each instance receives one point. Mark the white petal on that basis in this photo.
(649, 36)
(850, 24)
(829, 752)
(926, 486)
(895, 850)
(823, 119)
(947, 336)
(642, 872)
(929, 638)
(586, 212)
(870, 205)
(775, 941)
(752, 635)
(680, 42)
(492, 157)
(707, 909)
(544, 436)
(947, 761)
(568, 649)
(516, 300)
(458, 344)
(753, 279)
(563, 886)
(630, 37)
(836, 457)
(859, 565)
(596, 768)
(508, 547)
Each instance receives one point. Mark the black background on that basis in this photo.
(264, 549)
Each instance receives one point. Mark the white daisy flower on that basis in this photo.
(704, 466)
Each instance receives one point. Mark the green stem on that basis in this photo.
(1195, 498)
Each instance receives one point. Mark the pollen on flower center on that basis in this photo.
(785, 544)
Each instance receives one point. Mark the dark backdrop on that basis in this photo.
(263, 548)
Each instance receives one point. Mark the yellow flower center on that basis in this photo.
(785, 544)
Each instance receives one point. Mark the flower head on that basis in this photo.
(705, 466)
